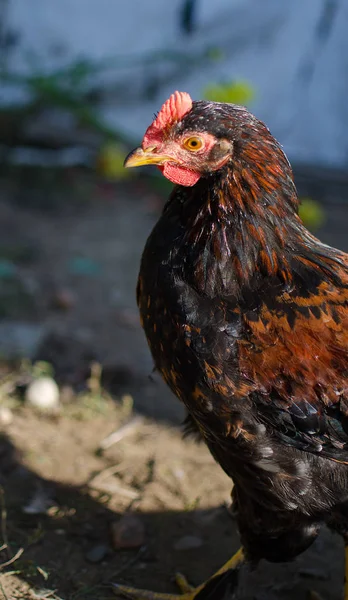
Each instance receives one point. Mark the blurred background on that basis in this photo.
(79, 83)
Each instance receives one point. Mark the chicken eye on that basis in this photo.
(193, 143)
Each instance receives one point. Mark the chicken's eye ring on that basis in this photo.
(193, 143)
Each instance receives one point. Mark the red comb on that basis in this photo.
(172, 110)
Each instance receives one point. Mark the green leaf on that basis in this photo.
(311, 213)
(215, 53)
(234, 92)
(110, 161)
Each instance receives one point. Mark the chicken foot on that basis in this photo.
(208, 589)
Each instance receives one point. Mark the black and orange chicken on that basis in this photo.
(246, 316)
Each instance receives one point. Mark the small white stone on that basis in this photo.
(43, 394)
(6, 415)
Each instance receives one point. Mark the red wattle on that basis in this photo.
(179, 175)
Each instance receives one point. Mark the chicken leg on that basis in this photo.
(189, 593)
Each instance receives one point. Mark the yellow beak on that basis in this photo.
(140, 157)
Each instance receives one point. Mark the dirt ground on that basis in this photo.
(73, 244)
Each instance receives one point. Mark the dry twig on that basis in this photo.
(98, 483)
(121, 432)
(3, 592)
(13, 559)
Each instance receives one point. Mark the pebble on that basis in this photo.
(128, 532)
(206, 517)
(64, 299)
(43, 394)
(40, 502)
(6, 415)
(188, 542)
(97, 553)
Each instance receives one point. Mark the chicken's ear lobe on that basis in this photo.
(221, 149)
(173, 110)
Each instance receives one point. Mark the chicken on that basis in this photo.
(246, 316)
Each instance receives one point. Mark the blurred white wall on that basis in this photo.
(295, 54)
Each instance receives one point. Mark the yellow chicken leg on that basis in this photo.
(189, 593)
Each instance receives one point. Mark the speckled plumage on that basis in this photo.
(246, 316)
